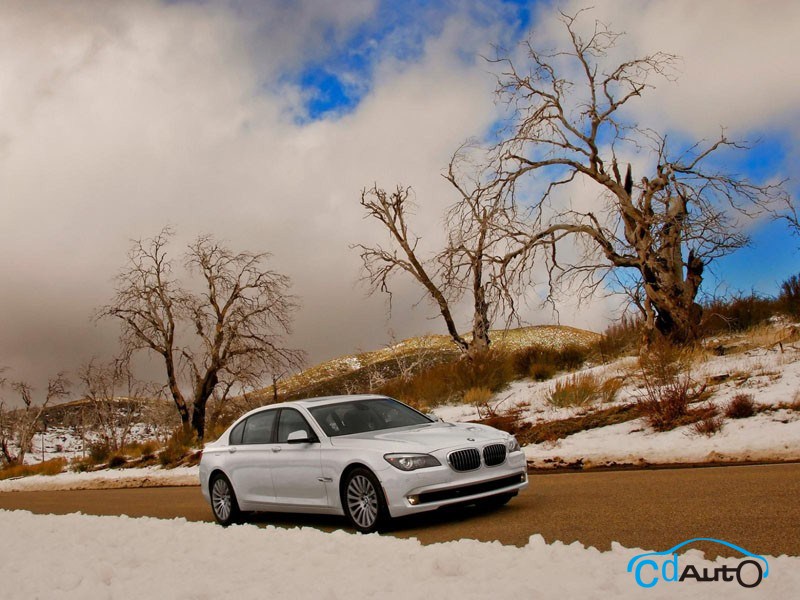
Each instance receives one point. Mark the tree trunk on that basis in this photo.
(199, 418)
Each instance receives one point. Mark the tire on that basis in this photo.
(363, 501)
(494, 502)
(223, 501)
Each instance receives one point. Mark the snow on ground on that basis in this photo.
(104, 479)
(77, 556)
(771, 376)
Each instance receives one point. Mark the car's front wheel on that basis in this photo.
(223, 501)
(363, 501)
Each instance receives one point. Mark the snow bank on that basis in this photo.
(82, 557)
(105, 479)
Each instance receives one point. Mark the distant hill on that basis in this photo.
(353, 372)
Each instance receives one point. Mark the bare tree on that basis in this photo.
(17, 427)
(233, 329)
(480, 228)
(115, 400)
(569, 123)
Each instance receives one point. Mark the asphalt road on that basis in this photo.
(755, 507)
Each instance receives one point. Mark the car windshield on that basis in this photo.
(359, 416)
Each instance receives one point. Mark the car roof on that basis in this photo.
(312, 402)
(309, 402)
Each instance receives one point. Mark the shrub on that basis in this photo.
(577, 390)
(741, 407)
(789, 297)
(177, 447)
(98, 453)
(619, 338)
(541, 371)
(541, 362)
(479, 398)
(737, 313)
(116, 461)
(47, 467)
(709, 424)
(668, 389)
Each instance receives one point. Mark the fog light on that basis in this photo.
(413, 500)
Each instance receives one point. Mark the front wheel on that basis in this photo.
(223, 501)
(363, 501)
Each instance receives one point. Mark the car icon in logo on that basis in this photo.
(651, 567)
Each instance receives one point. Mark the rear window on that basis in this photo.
(359, 416)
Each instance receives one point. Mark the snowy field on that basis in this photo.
(87, 557)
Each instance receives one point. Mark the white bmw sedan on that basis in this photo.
(368, 458)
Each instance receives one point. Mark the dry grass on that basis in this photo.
(578, 390)
(554, 430)
(48, 467)
(479, 398)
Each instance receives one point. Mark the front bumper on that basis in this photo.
(432, 488)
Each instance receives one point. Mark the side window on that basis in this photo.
(259, 428)
(235, 437)
(291, 420)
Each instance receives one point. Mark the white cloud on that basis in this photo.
(118, 121)
(117, 118)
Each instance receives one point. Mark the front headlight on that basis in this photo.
(512, 445)
(411, 462)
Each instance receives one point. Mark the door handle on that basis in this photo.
(276, 449)
(232, 449)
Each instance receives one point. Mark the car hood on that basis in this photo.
(427, 438)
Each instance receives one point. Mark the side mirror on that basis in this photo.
(300, 437)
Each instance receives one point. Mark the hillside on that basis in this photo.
(355, 372)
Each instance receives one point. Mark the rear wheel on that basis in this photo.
(223, 501)
(363, 501)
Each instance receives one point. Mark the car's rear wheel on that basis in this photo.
(363, 501)
(223, 501)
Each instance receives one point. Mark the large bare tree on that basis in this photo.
(664, 225)
(478, 240)
(232, 330)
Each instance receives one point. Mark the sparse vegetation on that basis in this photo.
(709, 424)
(577, 390)
(48, 467)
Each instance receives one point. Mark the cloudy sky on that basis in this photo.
(260, 122)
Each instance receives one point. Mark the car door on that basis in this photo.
(250, 459)
(296, 468)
